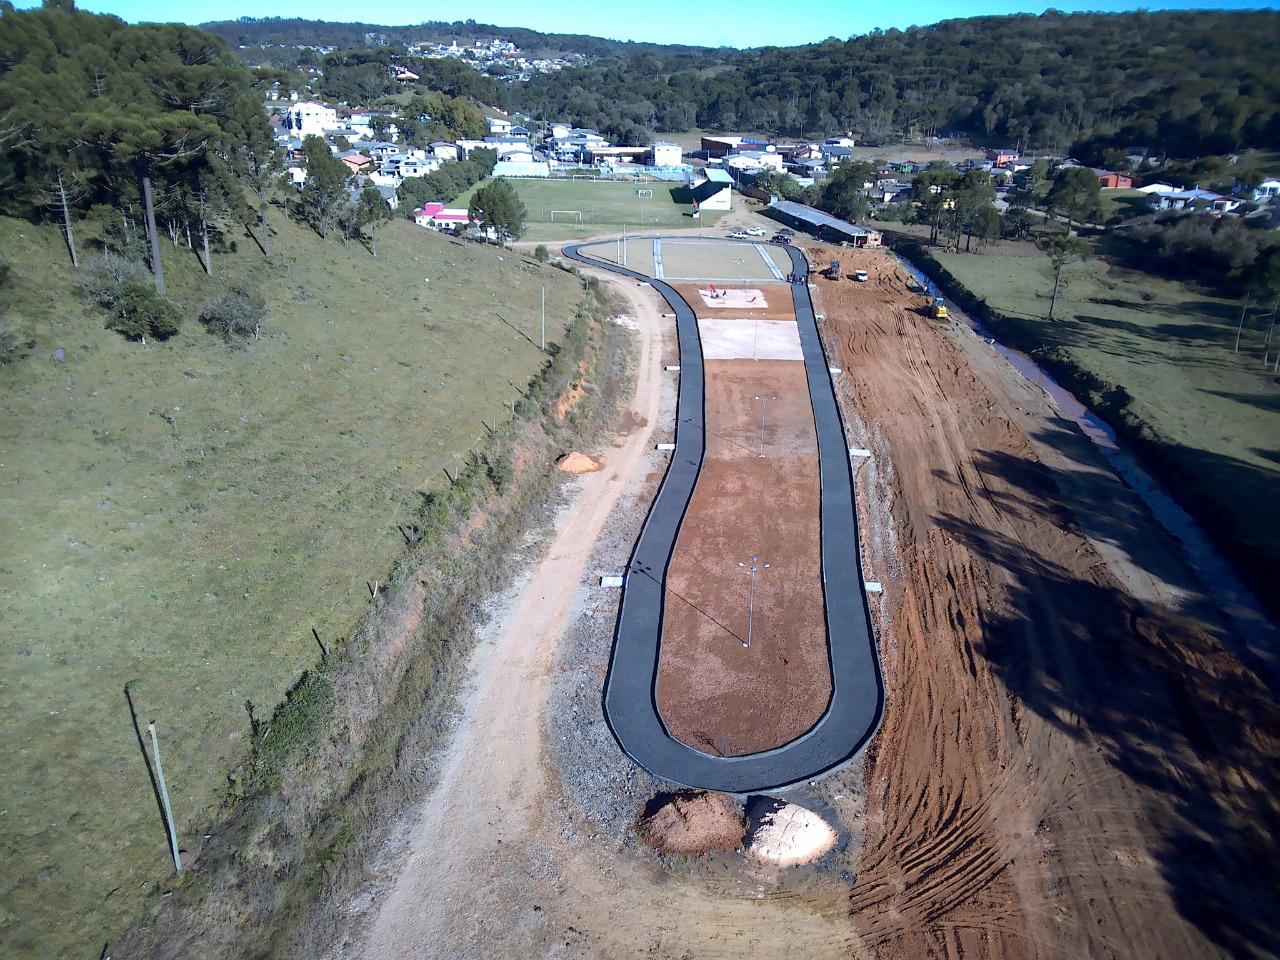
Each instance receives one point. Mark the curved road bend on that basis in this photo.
(857, 698)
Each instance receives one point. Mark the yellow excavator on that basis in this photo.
(938, 309)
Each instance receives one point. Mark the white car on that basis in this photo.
(757, 232)
(860, 276)
(737, 235)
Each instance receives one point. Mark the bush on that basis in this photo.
(140, 312)
(238, 311)
(541, 254)
(103, 279)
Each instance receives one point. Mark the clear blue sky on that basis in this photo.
(741, 23)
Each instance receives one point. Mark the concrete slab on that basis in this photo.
(726, 339)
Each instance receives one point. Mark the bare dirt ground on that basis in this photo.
(776, 296)
(1071, 763)
(716, 693)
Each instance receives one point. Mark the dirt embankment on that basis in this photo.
(1069, 766)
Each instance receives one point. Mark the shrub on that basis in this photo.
(139, 311)
(238, 311)
(103, 279)
(541, 254)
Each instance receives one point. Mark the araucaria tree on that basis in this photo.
(95, 111)
(325, 193)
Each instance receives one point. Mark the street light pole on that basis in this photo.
(751, 597)
(763, 409)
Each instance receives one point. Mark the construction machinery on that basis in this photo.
(833, 272)
(938, 309)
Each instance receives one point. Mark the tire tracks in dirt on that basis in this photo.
(1017, 807)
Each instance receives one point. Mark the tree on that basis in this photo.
(1075, 193)
(845, 194)
(325, 191)
(371, 210)
(1063, 250)
(496, 206)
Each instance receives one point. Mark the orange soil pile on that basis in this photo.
(694, 823)
(714, 693)
(1063, 770)
(577, 463)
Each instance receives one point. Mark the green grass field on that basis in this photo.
(181, 515)
(1172, 349)
(606, 206)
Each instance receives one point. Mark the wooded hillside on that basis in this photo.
(1182, 83)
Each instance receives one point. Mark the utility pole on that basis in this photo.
(763, 409)
(544, 319)
(751, 597)
(164, 795)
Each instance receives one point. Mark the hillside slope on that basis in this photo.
(179, 516)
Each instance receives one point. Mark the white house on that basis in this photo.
(1196, 199)
(755, 160)
(499, 126)
(1267, 190)
(445, 151)
(310, 118)
(667, 154)
(712, 195)
(560, 131)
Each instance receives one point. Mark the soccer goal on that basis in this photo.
(584, 176)
(567, 213)
(644, 194)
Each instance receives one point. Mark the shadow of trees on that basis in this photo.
(1158, 692)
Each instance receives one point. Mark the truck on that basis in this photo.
(860, 276)
(833, 271)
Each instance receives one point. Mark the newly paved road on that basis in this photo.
(857, 699)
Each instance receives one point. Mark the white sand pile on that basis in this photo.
(694, 823)
(577, 463)
(790, 835)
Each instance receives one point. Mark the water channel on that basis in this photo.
(1215, 572)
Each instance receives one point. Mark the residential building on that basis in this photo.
(667, 154)
(999, 156)
(310, 118)
(1108, 180)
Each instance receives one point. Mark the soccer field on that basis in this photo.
(606, 206)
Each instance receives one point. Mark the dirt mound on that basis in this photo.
(790, 835)
(577, 463)
(692, 823)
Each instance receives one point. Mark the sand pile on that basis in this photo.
(790, 835)
(693, 823)
(577, 463)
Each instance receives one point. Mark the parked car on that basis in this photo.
(780, 238)
(757, 232)
(737, 235)
(787, 232)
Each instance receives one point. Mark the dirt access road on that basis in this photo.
(487, 874)
(1071, 764)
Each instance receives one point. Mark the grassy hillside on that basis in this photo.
(1157, 359)
(179, 517)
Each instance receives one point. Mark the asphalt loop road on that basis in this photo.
(857, 700)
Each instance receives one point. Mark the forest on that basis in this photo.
(267, 32)
(143, 130)
(1183, 84)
